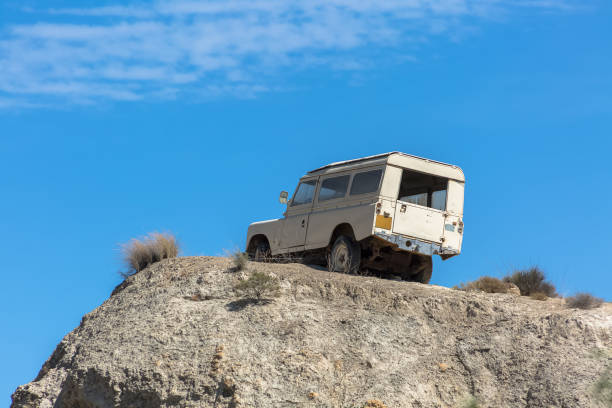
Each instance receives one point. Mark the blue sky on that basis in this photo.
(117, 119)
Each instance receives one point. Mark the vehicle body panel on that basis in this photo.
(419, 222)
(293, 232)
(381, 214)
(355, 210)
(270, 229)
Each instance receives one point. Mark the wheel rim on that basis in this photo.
(341, 258)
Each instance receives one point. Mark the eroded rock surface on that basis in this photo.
(176, 335)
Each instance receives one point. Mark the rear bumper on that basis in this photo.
(416, 245)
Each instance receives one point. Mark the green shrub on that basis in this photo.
(258, 286)
(470, 402)
(531, 281)
(485, 284)
(603, 388)
(140, 253)
(583, 301)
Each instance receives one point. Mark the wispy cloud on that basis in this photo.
(168, 49)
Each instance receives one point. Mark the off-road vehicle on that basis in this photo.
(387, 213)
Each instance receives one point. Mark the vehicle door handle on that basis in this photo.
(303, 223)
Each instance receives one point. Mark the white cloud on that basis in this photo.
(166, 49)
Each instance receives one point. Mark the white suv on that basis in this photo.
(387, 213)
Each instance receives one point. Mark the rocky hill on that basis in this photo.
(176, 334)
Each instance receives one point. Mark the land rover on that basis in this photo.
(388, 213)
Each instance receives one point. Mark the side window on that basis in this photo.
(366, 182)
(418, 199)
(438, 200)
(304, 193)
(334, 187)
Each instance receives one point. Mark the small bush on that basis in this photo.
(485, 284)
(138, 254)
(539, 296)
(470, 402)
(531, 281)
(603, 388)
(239, 259)
(602, 391)
(583, 301)
(258, 285)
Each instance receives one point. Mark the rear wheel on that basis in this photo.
(345, 255)
(422, 270)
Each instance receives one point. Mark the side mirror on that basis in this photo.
(283, 197)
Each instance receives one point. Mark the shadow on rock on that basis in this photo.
(238, 305)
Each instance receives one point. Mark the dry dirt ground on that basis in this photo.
(176, 334)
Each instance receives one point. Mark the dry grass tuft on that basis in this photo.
(485, 284)
(239, 259)
(140, 253)
(531, 281)
(258, 286)
(539, 296)
(374, 403)
(583, 301)
(216, 360)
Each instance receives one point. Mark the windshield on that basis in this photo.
(304, 193)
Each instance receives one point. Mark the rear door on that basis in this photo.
(421, 206)
(418, 221)
(453, 227)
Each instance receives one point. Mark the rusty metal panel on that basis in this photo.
(383, 222)
(415, 245)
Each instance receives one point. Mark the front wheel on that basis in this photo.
(345, 255)
(260, 251)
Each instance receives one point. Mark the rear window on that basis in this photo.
(334, 187)
(423, 189)
(366, 182)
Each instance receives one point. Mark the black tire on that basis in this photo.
(260, 251)
(345, 255)
(424, 269)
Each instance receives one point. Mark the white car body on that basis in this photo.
(415, 206)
